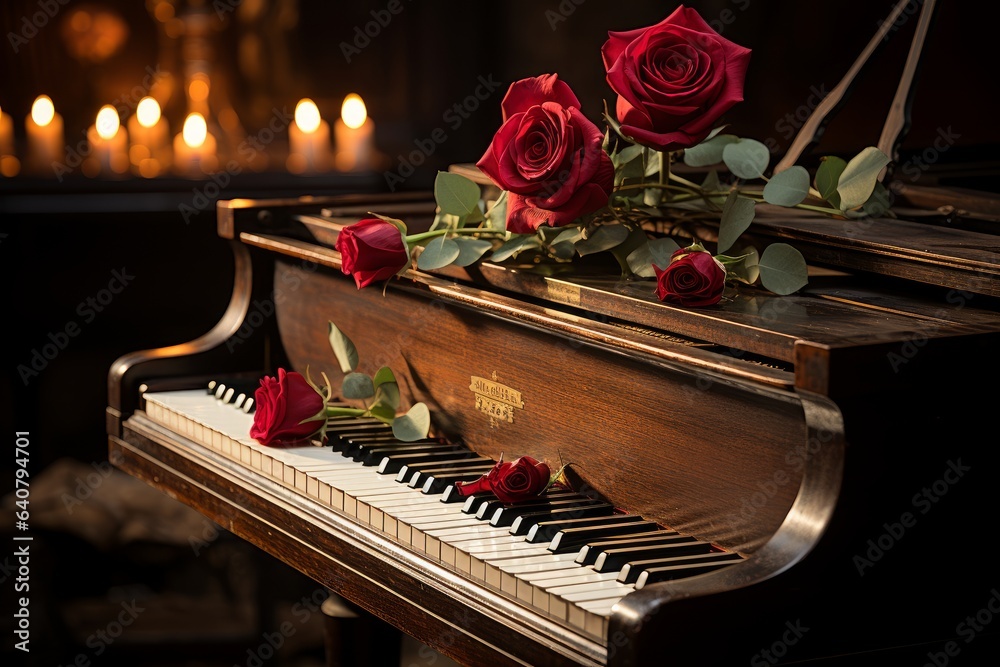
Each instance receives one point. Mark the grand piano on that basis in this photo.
(805, 479)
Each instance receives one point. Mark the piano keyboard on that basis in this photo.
(564, 555)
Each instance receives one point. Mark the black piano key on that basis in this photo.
(475, 501)
(509, 513)
(402, 461)
(451, 495)
(613, 560)
(488, 511)
(359, 449)
(440, 481)
(441, 465)
(546, 530)
(526, 522)
(572, 539)
(339, 434)
(591, 549)
(417, 478)
(372, 455)
(683, 567)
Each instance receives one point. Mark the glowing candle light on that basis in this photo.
(308, 139)
(46, 145)
(194, 147)
(354, 135)
(108, 143)
(149, 134)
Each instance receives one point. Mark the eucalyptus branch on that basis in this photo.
(417, 238)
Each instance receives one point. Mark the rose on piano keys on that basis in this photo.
(510, 481)
(289, 410)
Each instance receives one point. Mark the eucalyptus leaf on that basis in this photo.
(414, 425)
(783, 269)
(631, 170)
(388, 394)
(343, 349)
(788, 187)
(711, 182)
(383, 412)
(747, 158)
(563, 249)
(653, 163)
(513, 246)
(737, 214)
(827, 176)
(627, 154)
(604, 237)
(715, 132)
(470, 250)
(383, 376)
(457, 195)
(571, 234)
(652, 196)
(661, 250)
(640, 262)
(438, 253)
(857, 182)
(879, 202)
(357, 385)
(709, 151)
(497, 215)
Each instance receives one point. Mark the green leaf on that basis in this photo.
(604, 237)
(737, 214)
(714, 132)
(661, 250)
(470, 250)
(640, 262)
(563, 249)
(357, 385)
(746, 269)
(783, 269)
(518, 243)
(630, 169)
(383, 376)
(388, 395)
(414, 425)
(343, 349)
(858, 180)
(497, 215)
(827, 176)
(457, 195)
(571, 234)
(439, 252)
(383, 412)
(747, 158)
(652, 163)
(711, 182)
(709, 151)
(627, 154)
(879, 203)
(788, 187)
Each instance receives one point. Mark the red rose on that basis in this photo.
(517, 480)
(693, 278)
(287, 409)
(548, 157)
(371, 249)
(674, 79)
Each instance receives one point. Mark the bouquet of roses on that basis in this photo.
(569, 189)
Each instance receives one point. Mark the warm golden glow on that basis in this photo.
(353, 111)
(307, 116)
(195, 130)
(198, 89)
(107, 122)
(148, 112)
(42, 110)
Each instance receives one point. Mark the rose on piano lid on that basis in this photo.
(510, 481)
(372, 249)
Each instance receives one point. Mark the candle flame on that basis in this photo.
(195, 130)
(307, 115)
(353, 111)
(42, 110)
(107, 122)
(148, 112)
(198, 88)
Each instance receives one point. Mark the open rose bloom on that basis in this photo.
(674, 79)
(693, 278)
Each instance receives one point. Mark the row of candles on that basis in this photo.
(144, 146)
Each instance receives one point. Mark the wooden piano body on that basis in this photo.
(840, 438)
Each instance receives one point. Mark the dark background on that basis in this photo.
(62, 242)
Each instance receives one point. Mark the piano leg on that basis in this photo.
(354, 637)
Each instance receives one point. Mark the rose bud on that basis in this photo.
(548, 156)
(674, 80)
(693, 278)
(371, 249)
(288, 410)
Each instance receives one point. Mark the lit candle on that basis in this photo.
(354, 135)
(108, 143)
(148, 132)
(308, 139)
(194, 147)
(45, 136)
(9, 164)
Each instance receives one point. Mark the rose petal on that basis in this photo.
(529, 92)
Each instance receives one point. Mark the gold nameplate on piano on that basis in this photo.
(496, 400)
